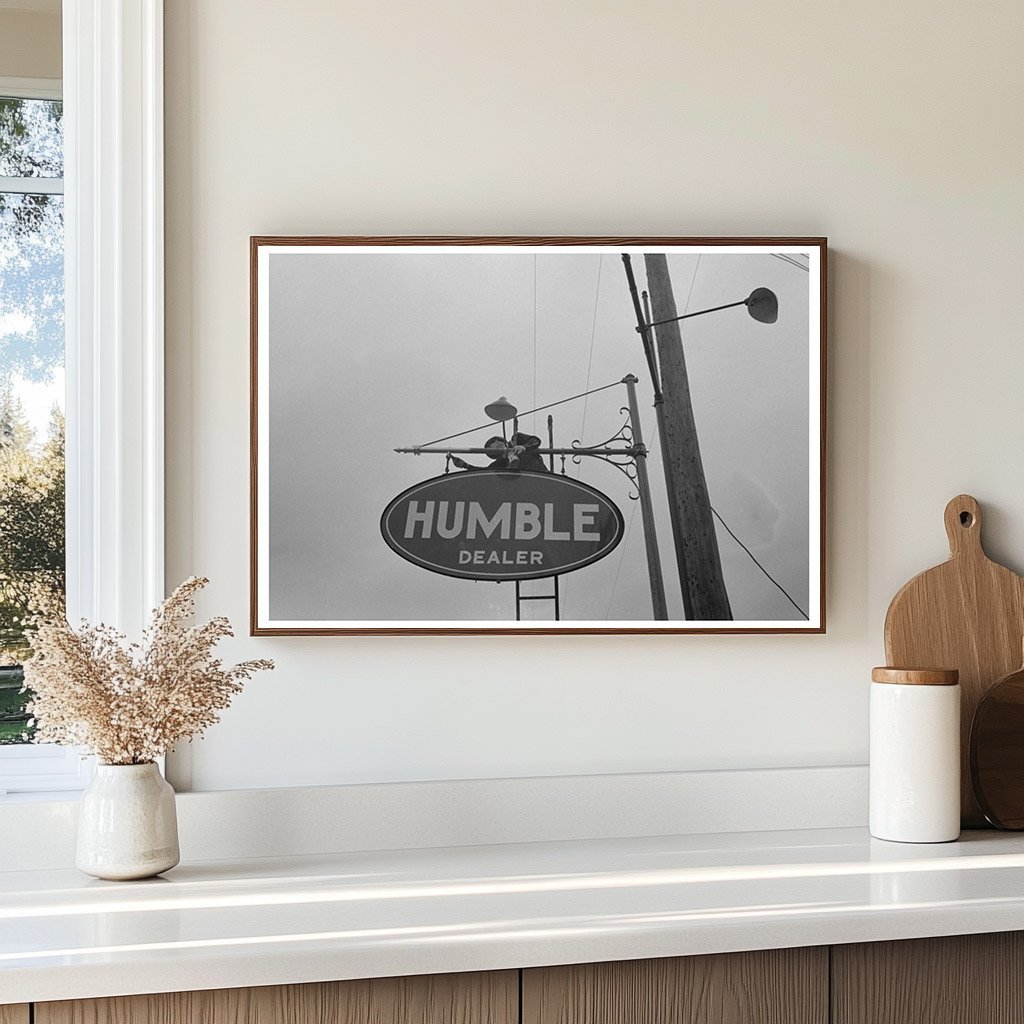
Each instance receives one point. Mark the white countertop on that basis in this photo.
(225, 924)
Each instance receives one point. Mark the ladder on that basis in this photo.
(521, 597)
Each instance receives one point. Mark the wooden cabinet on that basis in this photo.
(971, 979)
(491, 998)
(963, 979)
(778, 986)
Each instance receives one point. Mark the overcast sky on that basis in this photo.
(369, 352)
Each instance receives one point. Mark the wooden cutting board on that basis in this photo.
(967, 614)
(997, 752)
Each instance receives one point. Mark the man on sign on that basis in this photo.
(520, 452)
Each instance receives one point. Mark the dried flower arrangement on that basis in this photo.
(130, 703)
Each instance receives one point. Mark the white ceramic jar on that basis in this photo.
(127, 823)
(915, 755)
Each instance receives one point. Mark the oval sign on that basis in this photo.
(492, 525)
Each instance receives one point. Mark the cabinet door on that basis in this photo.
(778, 986)
(962, 979)
(491, 998)
(14, 1014)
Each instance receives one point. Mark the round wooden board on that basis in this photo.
(997, 752)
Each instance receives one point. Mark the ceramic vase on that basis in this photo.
(127, 825)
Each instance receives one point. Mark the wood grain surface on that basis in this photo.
(967, 614)
(963, 979)
(997, 752)
(482, 998)
(915, 676)
(780, 986)
(14, 1014)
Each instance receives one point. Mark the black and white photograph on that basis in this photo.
(537, 435)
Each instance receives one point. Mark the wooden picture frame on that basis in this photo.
(379, 365)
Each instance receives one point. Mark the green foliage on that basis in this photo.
(31, 138)
(14, 727)
(32, 574)
(31, 521)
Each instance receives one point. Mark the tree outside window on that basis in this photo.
(31, 387)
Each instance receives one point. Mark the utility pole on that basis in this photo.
(644, 491)
(688, 501)
(666, 462)
(646, 332)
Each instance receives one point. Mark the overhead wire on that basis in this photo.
(540, 408)
(693, 281)
(533, 422)
(593, 334)
(750, 553)
(786, 258)
(618, 568)
(590, 364)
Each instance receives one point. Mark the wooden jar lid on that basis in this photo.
(916, 676)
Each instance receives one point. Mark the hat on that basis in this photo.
(495, 443)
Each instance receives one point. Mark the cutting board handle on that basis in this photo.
(963, 526)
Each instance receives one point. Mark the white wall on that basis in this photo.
(894, 129)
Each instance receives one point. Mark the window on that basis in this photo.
(32, 532)
(31, 384)
(112, 207)
(32, 548)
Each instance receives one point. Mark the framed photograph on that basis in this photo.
(537, 435)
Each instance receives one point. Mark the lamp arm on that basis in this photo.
(700, 312)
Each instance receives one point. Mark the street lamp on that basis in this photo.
(762, 304)
(500, 409)
(689, 506)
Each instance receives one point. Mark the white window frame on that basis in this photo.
(114, 327)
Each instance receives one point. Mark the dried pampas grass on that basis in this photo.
(130, 703)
